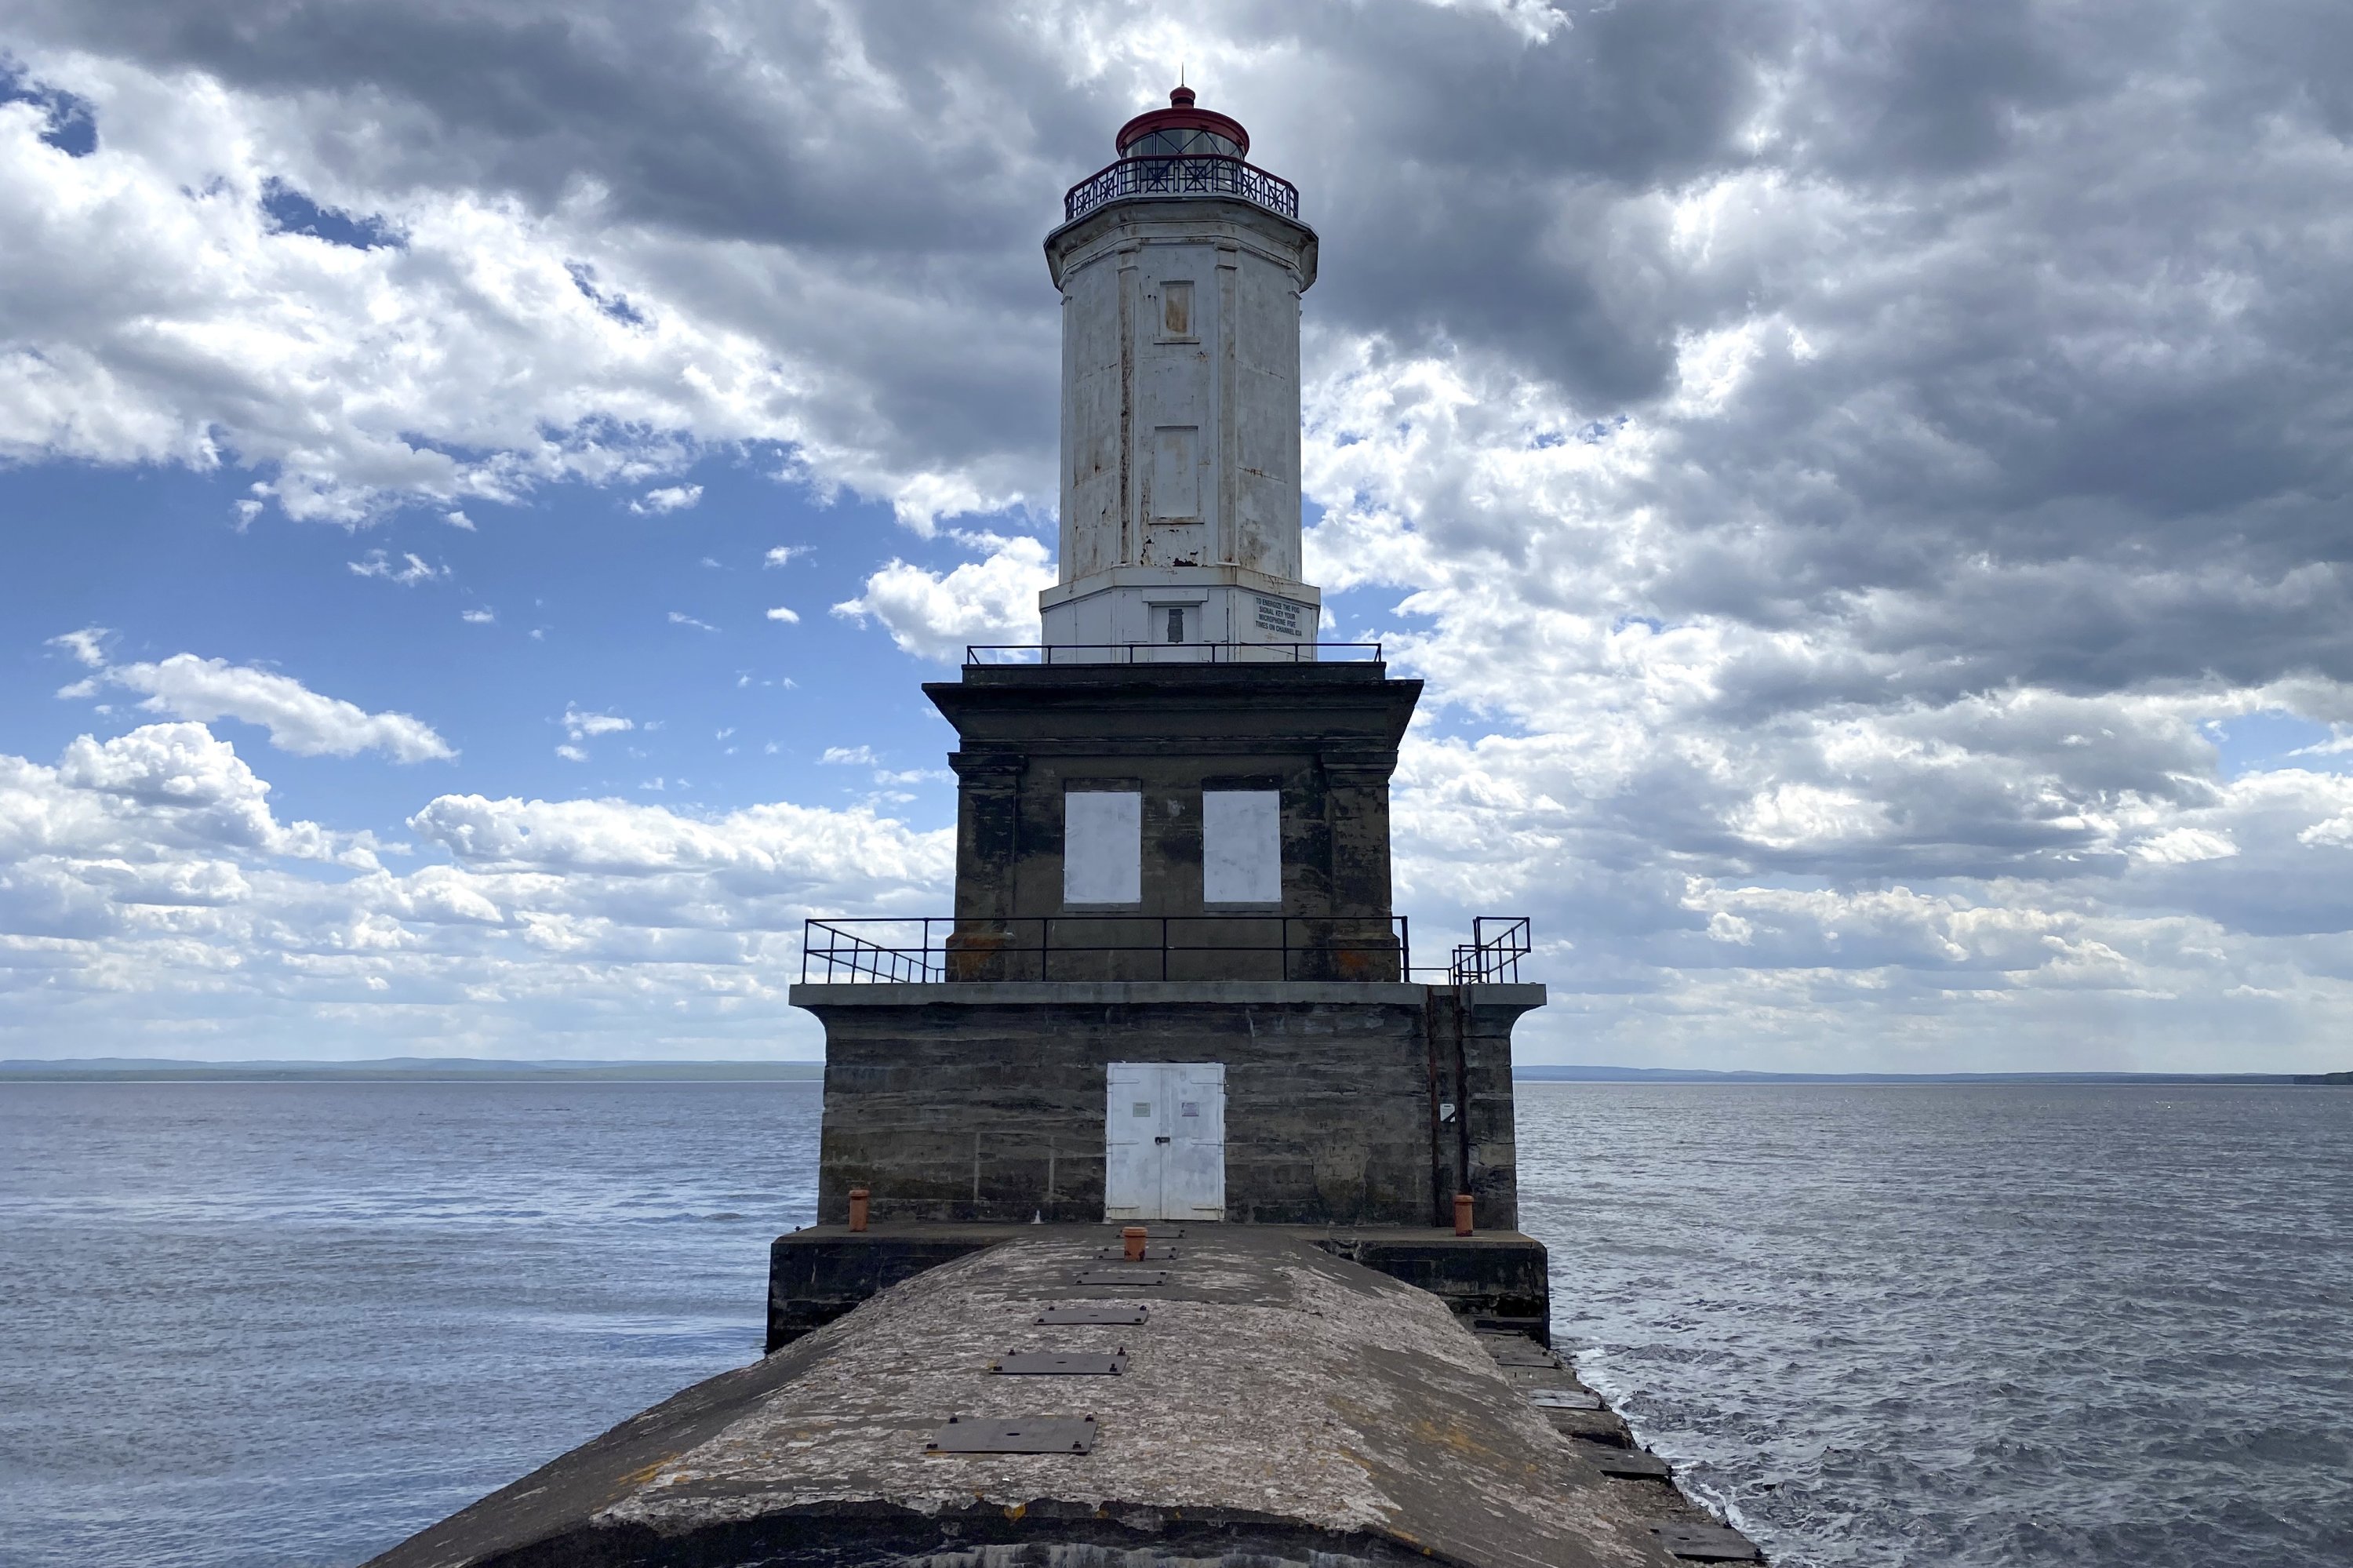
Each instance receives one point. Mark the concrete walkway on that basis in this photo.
(1279, 1403)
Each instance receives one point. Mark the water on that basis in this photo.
(257, 1326)
(1957, 1325)
(270, 1325)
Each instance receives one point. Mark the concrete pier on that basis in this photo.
(1279, 1405)
(1493, 1281)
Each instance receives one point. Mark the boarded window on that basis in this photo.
(1175, 482)
(1103, 847)
(1242, 846)
(1177, 309)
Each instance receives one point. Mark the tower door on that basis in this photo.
(1164, 1141)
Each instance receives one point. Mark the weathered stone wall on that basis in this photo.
(986, 1101)
(1324, 737)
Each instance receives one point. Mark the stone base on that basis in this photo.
(1348, 1103)
(1496, 1280)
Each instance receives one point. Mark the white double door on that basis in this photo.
(1164, 1141)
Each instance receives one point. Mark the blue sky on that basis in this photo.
(586, 599)
(1867, 485)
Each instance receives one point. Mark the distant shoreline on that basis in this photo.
(473, 1069)
(404, 1069)
(1550, 1075)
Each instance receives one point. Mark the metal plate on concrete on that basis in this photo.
(1143, 1276)
(1040, 1435)
(1631, 1463)
(1060, 1363)
(1707, 1544)
(1149, 1253)
(1519, 1352)
(1095, 1312)
(1564, 1399)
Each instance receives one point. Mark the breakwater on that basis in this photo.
(1245, 1396)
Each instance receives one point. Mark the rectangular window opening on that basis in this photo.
(1242, 846)
(1175, 475)
(1102, 846)
(1177, 309)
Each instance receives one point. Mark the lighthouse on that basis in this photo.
(1181, 267)
(1173, 987)
(1172, 995)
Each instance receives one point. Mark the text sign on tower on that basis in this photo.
(1164, 1141)
(1279, 616)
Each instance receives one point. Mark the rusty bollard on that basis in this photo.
(1134, 1237)
(857, 1208)
(1462, 1214)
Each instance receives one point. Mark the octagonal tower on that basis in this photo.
(1181, 267)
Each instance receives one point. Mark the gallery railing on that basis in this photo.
(916, 950)
(1493, 955)
(1171, 652)
(1192, 174)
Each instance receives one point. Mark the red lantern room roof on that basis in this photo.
(1180, 115)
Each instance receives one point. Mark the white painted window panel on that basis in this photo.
(1176, 474)
(1242, 846)
(1103, 847)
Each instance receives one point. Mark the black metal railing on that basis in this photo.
(1198, 173)
(915, 951)
(919, 951)
(1171, 652)
(1493, 959)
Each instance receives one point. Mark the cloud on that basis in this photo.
(478, 617)
(789, 618)
(935, 615)
(785, 555)
(88, 646)
(150, 899)
(1830, 460)
(581, 725)
(679, 619)
(668, 498)
(853, 755)
(298, 719)
(412, 571)
(159, 794)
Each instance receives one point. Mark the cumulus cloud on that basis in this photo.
(162, 791)
(298, 719)
(668, 498)
(150, 897)
(1832, 460)
(581, 725)
(790, 618)
(934, 615)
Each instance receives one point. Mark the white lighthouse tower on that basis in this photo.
(1180, 268)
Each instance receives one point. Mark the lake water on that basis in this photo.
(263, 1325)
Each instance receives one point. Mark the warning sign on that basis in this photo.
(1279, 616)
